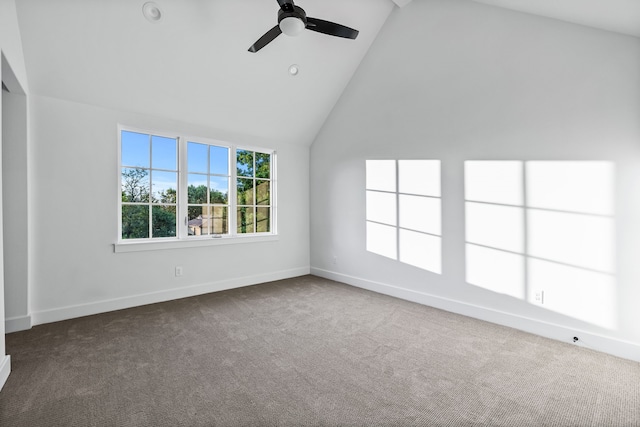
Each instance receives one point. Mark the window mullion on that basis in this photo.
(182, 186)
(273, 194)
(233, 193)
(149, 202)
(254, 190)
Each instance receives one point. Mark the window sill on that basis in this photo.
(138, 246)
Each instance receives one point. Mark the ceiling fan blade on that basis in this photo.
(331, 28)
(266, 39)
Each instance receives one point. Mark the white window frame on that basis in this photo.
(182, 238)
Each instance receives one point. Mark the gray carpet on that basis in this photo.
(306, 352)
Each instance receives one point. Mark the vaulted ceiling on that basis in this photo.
(193, 64)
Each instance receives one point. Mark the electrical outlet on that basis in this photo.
(538, 297)
(334, 259)
(178, 271)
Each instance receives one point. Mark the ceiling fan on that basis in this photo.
(292, 20)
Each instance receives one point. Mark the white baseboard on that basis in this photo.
(609, 345)
(15, 324)
(70, 312)
(5, 369)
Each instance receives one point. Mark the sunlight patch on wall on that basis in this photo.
(404, 211)
(382, 208)
(495, 270)
(544, 226)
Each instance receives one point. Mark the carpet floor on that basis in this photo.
(306, 352)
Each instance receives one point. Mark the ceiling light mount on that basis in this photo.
(294, 69)
(151, 11)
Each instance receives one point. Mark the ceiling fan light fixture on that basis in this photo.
(291, 26)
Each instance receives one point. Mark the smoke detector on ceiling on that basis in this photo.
(151, 11)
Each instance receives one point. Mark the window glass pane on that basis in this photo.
(219, 160)
(262, 192)
(245, 220)
(164, 221)
(135, 222)
(262, 220)
(220, 220)
(219, 189)
(206, 220)
(195, 221)
(245, 191)
(164, 153)
(135, 149)
(197, 188)
(244, 163)
(135, 185)
(197, 157)
(164, 186)
(263, 165)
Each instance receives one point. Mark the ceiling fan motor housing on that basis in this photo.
(297, 13)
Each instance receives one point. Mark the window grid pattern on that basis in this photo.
(147, 186)
(253, 191)
(172, 188)
(207, 189)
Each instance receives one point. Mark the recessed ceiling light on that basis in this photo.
(294, 69)
(151, 11)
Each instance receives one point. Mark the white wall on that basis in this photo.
(10, 41)
(75, 188)
(15, 213)
(13, 73)
(456, 80)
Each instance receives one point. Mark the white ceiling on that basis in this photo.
(194, 66)
(620, 16)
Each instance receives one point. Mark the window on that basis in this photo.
(403, 211)
(148, 182)
(253, 192)
(176, 188)
(207, 189)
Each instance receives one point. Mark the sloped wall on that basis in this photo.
(454, 81)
